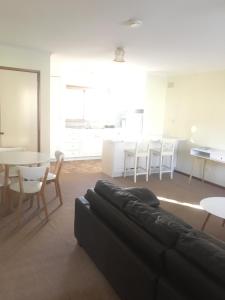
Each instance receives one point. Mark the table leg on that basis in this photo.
(203, 170)
(192, 168)
(223, 222)
(5, 201)
(206, 220)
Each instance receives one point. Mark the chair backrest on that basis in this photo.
(59, 161)
(32, 174)
(142, 147)
(168, 146)
(59, 155)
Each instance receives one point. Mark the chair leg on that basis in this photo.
(135, 169)
(45, 205)
(160, 167)
(12, 204)
(31, 201)
(38, 201)
(147, 167)
(150, 164)
(125, 166)
(56, 189)
(171, 173)
(19, 210)
(1, 201)
(59, 191)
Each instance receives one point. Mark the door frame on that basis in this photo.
(38, 73)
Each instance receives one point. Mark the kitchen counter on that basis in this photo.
(113, 155)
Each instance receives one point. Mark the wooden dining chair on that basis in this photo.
(54, 176)
(32, 181)
(4, 183)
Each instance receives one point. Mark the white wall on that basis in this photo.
(154, 106)
(36, 60)
(195, 111)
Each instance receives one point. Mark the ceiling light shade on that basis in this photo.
(119, 55)
(134, 23)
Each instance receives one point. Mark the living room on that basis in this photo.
(170, 85)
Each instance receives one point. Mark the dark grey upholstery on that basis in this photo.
(145, 195)
(129, 232)
(144, 251)
(205, 254)
(119, 197)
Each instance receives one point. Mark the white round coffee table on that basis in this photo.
(214, 206)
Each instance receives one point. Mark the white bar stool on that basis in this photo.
(141, 151)
(166, 149)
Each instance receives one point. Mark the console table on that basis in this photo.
(206, 153)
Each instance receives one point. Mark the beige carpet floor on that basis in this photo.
(42, 261)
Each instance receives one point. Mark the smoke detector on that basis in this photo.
(119, 54)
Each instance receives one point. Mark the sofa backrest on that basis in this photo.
(119, 197)
(139, 240)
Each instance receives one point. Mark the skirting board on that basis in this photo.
(206, 181)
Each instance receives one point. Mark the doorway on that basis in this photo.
(19, 108)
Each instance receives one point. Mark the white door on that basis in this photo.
(18, 109)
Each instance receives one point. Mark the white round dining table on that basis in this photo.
(15, 158)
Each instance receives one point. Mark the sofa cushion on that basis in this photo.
(145, 195)
(138, 239)
(204, 253)
(165, 290)
(174, 218)
(203, 235)
(188, 277)
(117, 196)
(105, 188)
(154, 221)
(120, 196)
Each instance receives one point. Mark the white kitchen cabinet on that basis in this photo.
(82, 143)
(86, 143)
(113, 157)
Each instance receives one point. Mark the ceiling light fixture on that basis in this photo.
(133, 23)
(119, 54)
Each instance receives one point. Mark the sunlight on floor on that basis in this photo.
(196, 206)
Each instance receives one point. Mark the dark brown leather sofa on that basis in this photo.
(145, 252)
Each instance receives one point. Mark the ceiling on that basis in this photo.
(176, 34)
